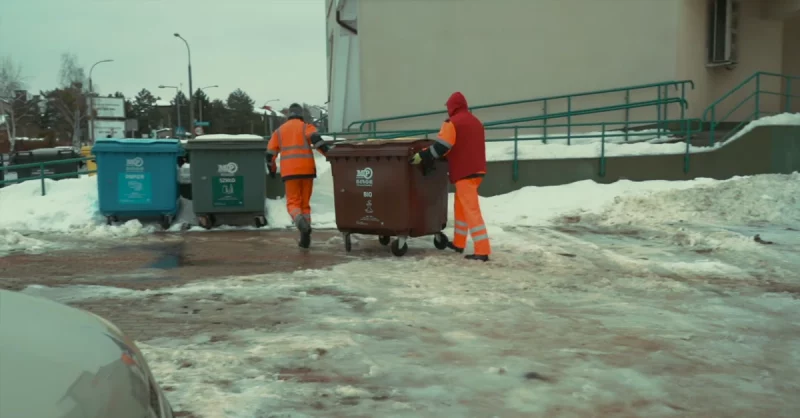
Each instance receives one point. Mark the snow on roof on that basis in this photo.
(163, 103)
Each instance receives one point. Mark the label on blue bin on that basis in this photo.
(135, 189)
(227, 191)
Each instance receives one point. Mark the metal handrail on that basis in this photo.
(627, 90)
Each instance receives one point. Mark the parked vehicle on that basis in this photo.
(61, 362)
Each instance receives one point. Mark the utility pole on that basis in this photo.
(91, 101)
(177, 100)
(191, 92)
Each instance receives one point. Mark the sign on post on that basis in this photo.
(108, 129)
(108, 107)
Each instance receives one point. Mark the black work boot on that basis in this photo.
(451, 246)
(476, 257)
(305, 239)
(302, 224)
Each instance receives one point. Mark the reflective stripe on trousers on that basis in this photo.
(469, 220)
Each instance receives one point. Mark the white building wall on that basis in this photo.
(416, 53)
(344, 85)
(760, 49)
(410, 55)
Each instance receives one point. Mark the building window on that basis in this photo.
(723, 24)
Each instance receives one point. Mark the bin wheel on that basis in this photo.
(205, 221)
(260, 221)
(213, 219)
(440, 241)
(348, 243)
(384, 239)
(399, 250)
(111, 219)
(165, 222)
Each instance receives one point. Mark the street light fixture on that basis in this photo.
(191, 92)
(91, 99)
(177, 100)
(200, 104)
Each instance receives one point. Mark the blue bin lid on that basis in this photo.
(154, 146)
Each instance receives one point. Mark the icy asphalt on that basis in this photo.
(581, 318)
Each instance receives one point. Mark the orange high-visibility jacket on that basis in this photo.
(293, 142)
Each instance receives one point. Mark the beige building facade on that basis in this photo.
(396, 57)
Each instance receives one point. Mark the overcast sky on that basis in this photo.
(272, 49)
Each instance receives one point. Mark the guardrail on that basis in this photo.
(662, 89)
(755, 81)
(42, 174)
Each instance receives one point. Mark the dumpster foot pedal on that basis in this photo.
(476, 257)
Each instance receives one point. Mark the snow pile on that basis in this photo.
(14, 241)
(763, 199)
(588, 144)
(783, 119)
(537, 206)
(230, 137)
(70, 206)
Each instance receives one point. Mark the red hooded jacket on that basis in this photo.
(467, 157)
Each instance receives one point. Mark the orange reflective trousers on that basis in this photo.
(298, 198)
(469, 221)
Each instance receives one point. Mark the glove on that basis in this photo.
(416, 159)
(272, 170)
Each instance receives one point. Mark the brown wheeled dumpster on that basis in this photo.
(377, 192)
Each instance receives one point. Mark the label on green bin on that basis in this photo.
(227, 191)
(135, 189)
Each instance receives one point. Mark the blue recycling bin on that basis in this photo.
(138, 179)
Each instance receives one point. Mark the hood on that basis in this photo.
(456, 103)
(70, 359)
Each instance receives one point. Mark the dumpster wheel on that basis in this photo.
(348, 242)
(165, 222)
(440, 241)
(384, 239)
(260, 221)
(399, 247)
(111, 219)
(205, 221)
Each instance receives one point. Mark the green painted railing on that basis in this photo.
(662, 92)
(754, 84)
(606, 131)
(42, 175)
(660, 124)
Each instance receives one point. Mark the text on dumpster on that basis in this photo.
(364, 177)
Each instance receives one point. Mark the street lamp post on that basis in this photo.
(177, 100)
(200, 104)
(191, 92)
(91, 100)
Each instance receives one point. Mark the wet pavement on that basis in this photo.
(165, 259)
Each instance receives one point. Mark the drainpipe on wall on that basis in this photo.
(349, 28)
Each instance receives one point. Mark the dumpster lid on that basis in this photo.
(137, 145)
(228, 137)
(404, 147)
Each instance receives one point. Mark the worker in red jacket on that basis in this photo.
(463, 140)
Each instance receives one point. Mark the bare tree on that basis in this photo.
(71, 72)
(11, 82)
(70, 99)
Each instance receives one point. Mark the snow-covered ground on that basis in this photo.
(634, 299)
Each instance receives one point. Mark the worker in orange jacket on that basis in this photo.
(295, 141)
(466, 160)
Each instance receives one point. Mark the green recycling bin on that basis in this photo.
(228, 177)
